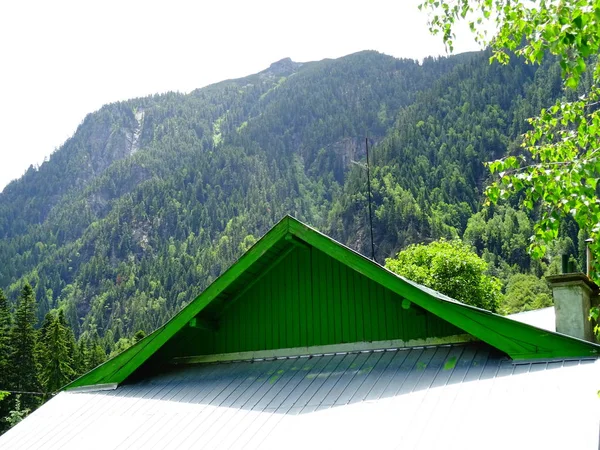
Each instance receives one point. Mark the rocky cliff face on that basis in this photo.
(283, 67)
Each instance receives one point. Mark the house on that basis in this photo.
(304, 343)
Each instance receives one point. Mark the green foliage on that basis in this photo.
(558, 170)
(96, 356)
(120, 346)
(568, 30)
(503, 232)
(141, 334)
(451, 268)
(5, 341)
(128, 238)
(525, 293)
(121, 236)
(22, 341)
(36, 361)
(5, 357)
(17, 414)
(55, 353)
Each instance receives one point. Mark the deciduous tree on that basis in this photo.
(559, 168)
(451, 268)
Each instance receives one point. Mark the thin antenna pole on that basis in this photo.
(370, 209)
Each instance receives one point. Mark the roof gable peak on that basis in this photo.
(519, 341)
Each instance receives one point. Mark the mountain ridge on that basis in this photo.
(152, 198)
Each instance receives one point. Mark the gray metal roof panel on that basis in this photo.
(544, 318)
(459, 396)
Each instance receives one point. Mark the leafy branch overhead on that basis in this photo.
(567, 29)
(559, 168)
(560, 171)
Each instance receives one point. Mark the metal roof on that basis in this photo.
(459, 396)
(544, 318)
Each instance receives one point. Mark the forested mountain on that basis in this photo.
(153, 198)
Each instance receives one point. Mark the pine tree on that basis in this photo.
(5, 345)
(56, 363)
(79, 358)
(5, 353)
(42, 335)
(69, 335)
(22, 340)
(96, 355)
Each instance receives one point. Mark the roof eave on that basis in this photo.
(518, 340)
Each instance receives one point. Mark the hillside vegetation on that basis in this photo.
(152, 198)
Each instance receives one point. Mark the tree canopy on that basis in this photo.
(451, 268)
(558, 166)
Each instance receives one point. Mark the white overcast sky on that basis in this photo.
(60, 60)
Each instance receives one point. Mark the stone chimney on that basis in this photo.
(574, 295)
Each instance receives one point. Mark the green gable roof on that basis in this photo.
(518, 340)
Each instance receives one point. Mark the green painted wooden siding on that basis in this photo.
(177, 338)
(310, 299)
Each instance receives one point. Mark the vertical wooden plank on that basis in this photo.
(283, 306)
(234, 344)
(244, 329)
(226, 343)
(330, 301)
(208, 344)
(291, 297)
(382, 332)
(374, 310)
(235, 313)
(401, 316)
(256, 319)
(262, 311)
(431, 328)
(391, 314)
(364, 296)
(408, 323)
(314, 331)
(250, 305)
(247, 308)
(421, 323)
(416, 319)
(268, 314)
(302, 300)
(308, 293)
(275, 306)
(223, 335)
(351, 306)
(227, 337)
(323, 299)
(337, 303)
(359, 314)
(343, 284)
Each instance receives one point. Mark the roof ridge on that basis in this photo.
(518, 340)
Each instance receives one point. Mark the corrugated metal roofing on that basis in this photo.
(460, 396)
(544, 318)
